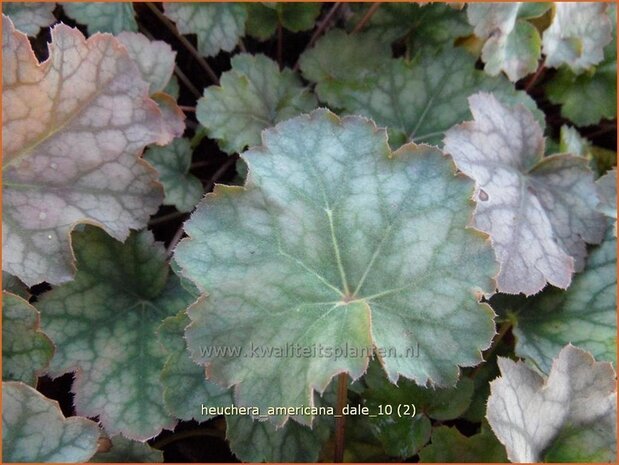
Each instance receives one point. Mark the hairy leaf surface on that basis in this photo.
(35, 430)
(113, 17)
(528, 413)
(538, 211)
(73, 128)
(578, 34)
(253, 96)
(512, 44)
(104, 324)
(30, 17)
(26, 350)
(336, 241)
(218, 26)
(181, 188)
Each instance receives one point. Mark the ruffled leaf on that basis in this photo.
(538, 211)
(104, 325)
(577, 36)
(530, 414)
(512, 44)
(74, 127)
(103, 17)
(181, 188)
(253, 96)
(26, 350)
(349, 246)
(30, 17)
(35, 430)
(218, 26)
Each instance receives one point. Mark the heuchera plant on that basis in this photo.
(309, 232)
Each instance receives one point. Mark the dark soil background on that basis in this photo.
(205, 442)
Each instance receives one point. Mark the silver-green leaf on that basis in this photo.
(35, 430)
(218, 26)
(172, 162)
(26, 350)
(113, 17)
(104, 325)
(253, 96)
(336, 242)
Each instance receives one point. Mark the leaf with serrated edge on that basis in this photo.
(260, 441)
(421, 25)
(538, 211)
(185, 388)
(125, 450)
(218, 26)
(253, 96)
(588, 97)
(420, 100)
(154, 58)
(73, 127)
(577, 36)
(113, 17)
(512, 44)
(343, 60)
(104, 325)
(14, 286)
(182, 189)
(30, 17)
(35, 430)
(26, 350)
(527, 412)
(584, 315)
(353, 246)
(450, 446)
(263, 18)
(403, 435)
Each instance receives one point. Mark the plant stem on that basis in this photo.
(340, 421)
(242, 46)
(188, 45)
(175, 240)
(185, 80)
(505, 326)
(320, 29)
(540, 69)
(280, 44)
(366, 17)
(220, 172)
(161, 443)
(165, 218)
(185, 108)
